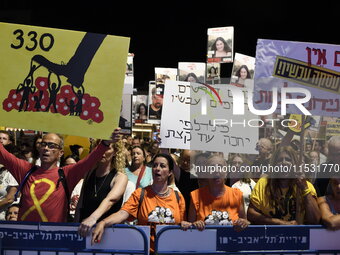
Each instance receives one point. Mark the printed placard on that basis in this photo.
(220, 44)
(313, 67)
(61, 81)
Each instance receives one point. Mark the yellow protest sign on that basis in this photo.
(296, 124)
(70, 140)
(61, 81)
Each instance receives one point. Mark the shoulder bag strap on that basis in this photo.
(62, 179)
(140, 176)
(29, 172)
(140, 200)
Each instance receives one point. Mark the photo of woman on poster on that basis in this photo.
(142, 112)
(213, 71)
(243, 70)
(221, 48)
(191, 77)
(140, 108)
(242, 73)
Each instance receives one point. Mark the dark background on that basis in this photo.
(165, 33)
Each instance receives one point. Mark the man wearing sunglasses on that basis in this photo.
(43, 197)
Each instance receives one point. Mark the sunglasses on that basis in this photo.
(50, 145)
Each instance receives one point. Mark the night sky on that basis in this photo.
(165, 33)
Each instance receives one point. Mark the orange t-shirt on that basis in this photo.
(222, 210)
(155, 209)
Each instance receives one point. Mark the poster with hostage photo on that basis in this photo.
(129, 78)
(161, 215)
(243, 71)
(163, 74)
(192, 72)
(213, 72)
(140, 108)
(218, 218)
(220, 45)
(125, 118)
(156, 93)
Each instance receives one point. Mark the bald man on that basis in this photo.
(183, 178)
(265, 149)
(43, 196)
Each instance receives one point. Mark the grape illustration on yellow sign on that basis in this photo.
(61, 81)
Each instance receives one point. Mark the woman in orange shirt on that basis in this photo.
(216, 203)
(155, 204)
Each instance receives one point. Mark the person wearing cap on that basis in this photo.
(155, 108)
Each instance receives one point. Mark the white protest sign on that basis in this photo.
(199, 117)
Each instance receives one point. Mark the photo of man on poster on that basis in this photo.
(155, 108)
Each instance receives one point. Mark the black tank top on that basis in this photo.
(91, 202)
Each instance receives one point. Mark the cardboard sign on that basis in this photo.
(61, 81)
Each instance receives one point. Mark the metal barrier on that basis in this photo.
(63, 239)
(36, 238)
(306, 239)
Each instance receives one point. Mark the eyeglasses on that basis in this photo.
(50, 145)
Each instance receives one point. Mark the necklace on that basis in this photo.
(164, 194)
(101, 185)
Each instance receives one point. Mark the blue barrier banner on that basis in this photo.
(273, 238)
(26, 238)
(17, 237)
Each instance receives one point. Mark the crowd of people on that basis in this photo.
(131, 180)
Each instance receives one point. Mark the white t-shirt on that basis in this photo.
(6, 180)
(246, 189)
